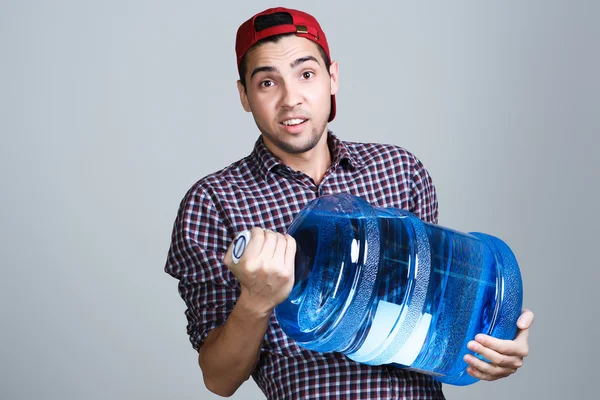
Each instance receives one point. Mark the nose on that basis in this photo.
(291, 96)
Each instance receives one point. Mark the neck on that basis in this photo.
(313, 163)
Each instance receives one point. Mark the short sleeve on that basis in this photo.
(423, 199)
(198, 245)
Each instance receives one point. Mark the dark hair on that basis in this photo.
(267, 21)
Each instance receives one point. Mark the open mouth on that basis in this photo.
(294, 126)
(294, 122)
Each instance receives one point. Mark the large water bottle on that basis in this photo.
(384, 287)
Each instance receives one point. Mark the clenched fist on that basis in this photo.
(265, 270)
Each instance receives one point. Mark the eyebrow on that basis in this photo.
(294, 64)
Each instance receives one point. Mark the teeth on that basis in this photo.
(293, 122)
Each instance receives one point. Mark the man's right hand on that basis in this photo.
(265, 270)
(266, 275)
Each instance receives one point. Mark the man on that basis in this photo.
(288, 82)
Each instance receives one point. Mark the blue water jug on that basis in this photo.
(383, 287)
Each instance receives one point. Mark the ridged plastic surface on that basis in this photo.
(384, 287)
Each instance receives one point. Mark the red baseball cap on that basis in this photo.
(303, 25)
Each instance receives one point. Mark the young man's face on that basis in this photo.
(288, 91)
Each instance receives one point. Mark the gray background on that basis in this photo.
(110, 111)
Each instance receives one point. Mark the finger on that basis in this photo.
(526, 319)
(254, 246)
(289, 259)
(279, 255)
(501, 360)
(522, 341)
(290, 251)
(522, 336)
(474, 372)
(486, 370)
(268, 249)
(517, 347)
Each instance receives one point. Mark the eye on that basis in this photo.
(308, 74)
(266, 84)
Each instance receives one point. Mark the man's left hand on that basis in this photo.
(505, 356)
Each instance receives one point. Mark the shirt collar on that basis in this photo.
(266, 160)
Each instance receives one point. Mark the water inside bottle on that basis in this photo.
(420, 311)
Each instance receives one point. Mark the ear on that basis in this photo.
(243, 96)
(333, 76)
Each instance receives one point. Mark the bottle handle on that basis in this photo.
(239, 245)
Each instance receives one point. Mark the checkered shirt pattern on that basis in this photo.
(259, 190)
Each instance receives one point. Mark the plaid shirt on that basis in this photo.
(259, 190)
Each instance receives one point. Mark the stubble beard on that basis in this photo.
(290, 148)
